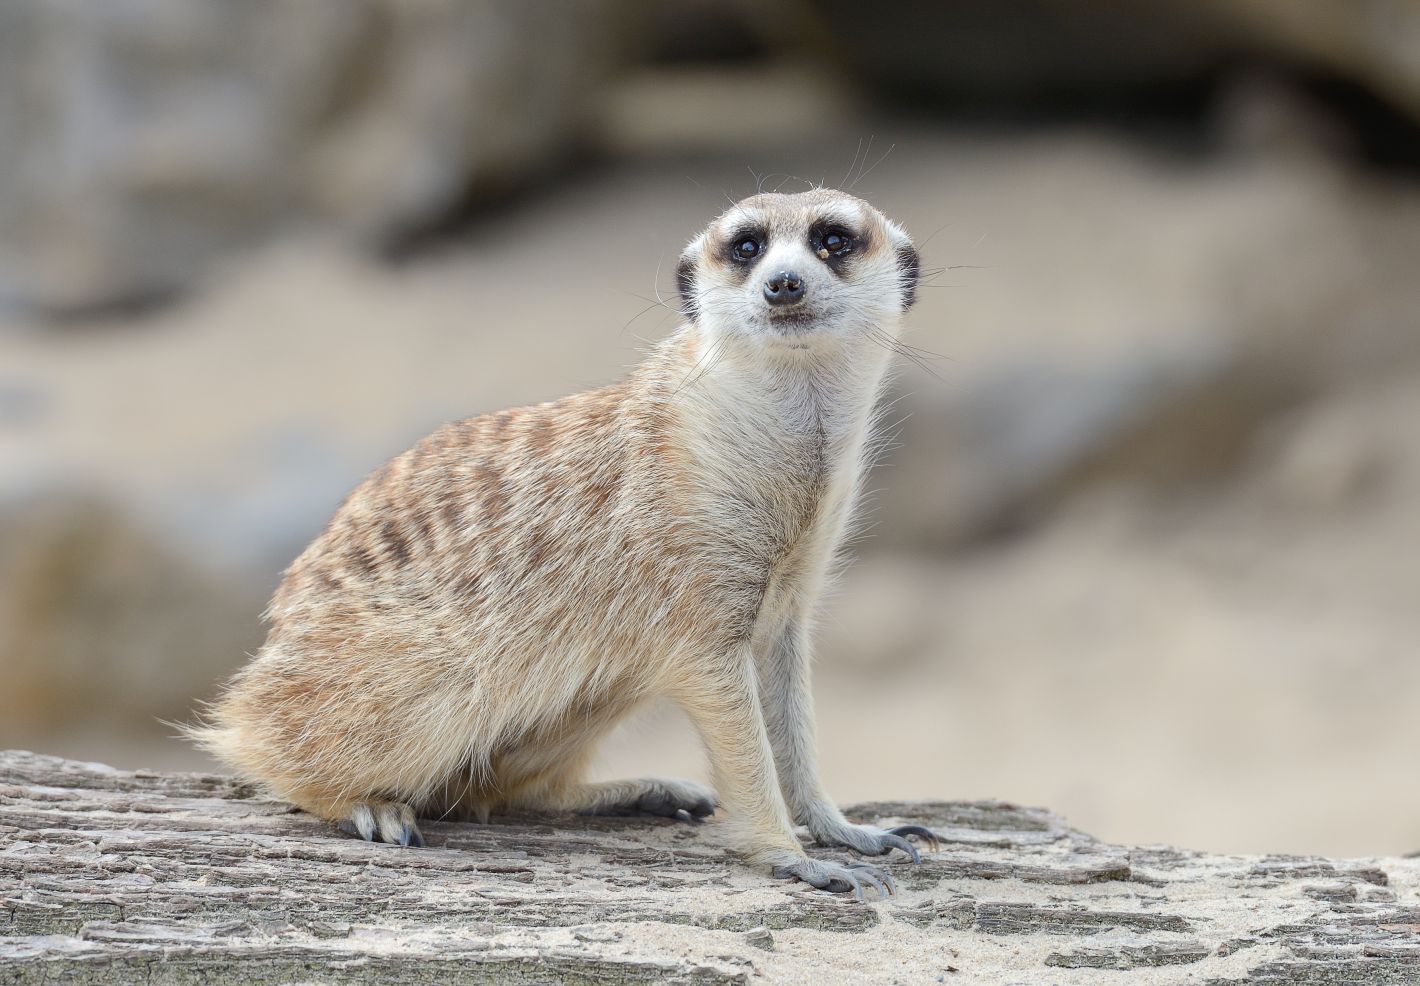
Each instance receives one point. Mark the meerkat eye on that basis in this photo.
(836, 241)
(747, 248)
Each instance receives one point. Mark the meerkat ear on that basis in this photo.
(685, 284)
(909, 268)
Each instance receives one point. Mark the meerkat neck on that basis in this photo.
(832, 386)
(748, 401)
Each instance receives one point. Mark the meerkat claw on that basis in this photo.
(892, 841)
(922, 832)
(362, 820)
(384, 821)
(885, 885)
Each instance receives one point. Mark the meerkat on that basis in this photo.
(487, 605)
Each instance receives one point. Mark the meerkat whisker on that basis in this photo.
(864, 174)
(852, 164)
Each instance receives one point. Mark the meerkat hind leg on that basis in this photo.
(385, 821)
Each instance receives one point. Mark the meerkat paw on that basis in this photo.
(387, 821)
(664, 798)
(873, 841)
(677, 799)
(839, 878)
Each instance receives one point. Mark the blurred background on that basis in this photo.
(1144, 550)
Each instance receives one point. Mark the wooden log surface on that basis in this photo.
(111, 876)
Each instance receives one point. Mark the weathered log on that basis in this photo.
(115, 877)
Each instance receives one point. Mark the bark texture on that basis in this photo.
(110, 876)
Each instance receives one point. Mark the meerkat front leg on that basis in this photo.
(722, 700)
(789, 713)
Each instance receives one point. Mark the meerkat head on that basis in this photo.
(817, 265)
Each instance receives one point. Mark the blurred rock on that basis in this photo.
(448, 103)
(999, 454)
(1029, 438)
(140, 138)
(646, 116)
(1372, 42)
(1181, 383)
(1044, 53)
(1349, 452)
(1259, 112)
(710, 31)
(104, 626)
(1047, 55)
(1133, 327)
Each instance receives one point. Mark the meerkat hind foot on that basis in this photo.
(383, 821)
(873, 841)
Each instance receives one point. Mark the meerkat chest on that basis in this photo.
(779, 476)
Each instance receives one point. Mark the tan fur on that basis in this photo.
(487, 605)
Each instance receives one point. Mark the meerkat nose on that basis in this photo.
(784, 288)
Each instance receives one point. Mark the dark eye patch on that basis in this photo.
(746, 245)
(835, 242)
